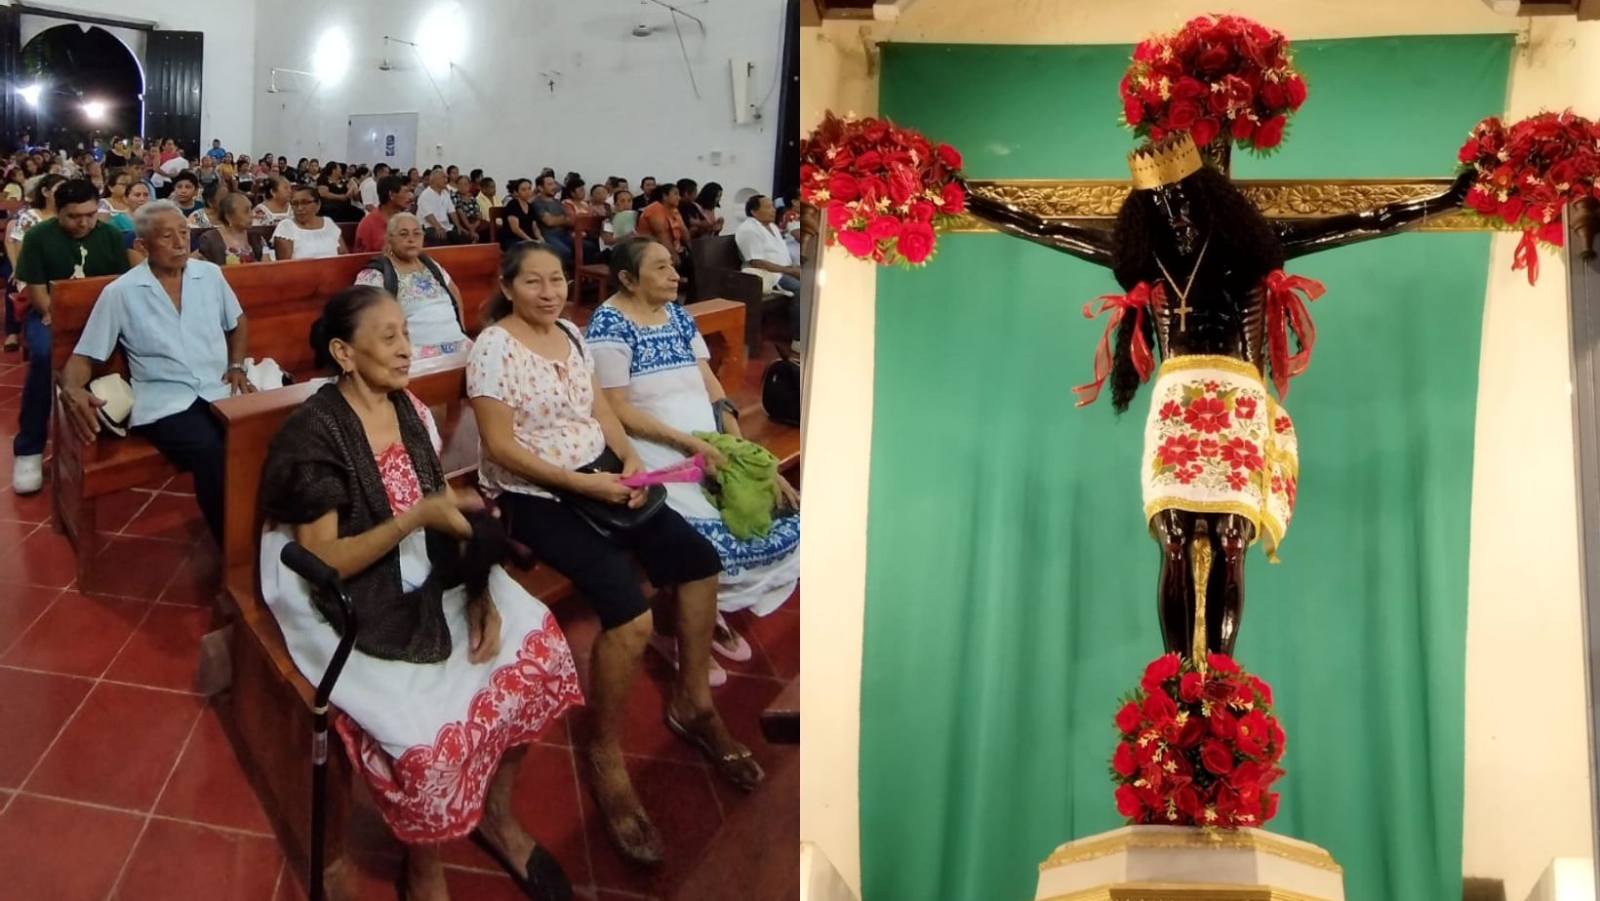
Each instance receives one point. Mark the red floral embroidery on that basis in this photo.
(1171, 410)
(1241, 452)
(1178, 450)
(1237, 480)
(1282, 424)
(1187, 474)
(1245, 408)
(1209, 448)
(1206, 414)
(434, 793)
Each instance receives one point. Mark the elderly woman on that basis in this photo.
(230, 242)
(455, 667)
(554, 456)
(308, 235)
(211, 195)
(274, 206)
(432, 303)
(653, 365)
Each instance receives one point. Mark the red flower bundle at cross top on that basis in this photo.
(1528, 173)
(1216, 76)
(885, 189)
(1200, 747)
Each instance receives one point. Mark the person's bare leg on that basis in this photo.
(424, 874)
(499, 825)
(614, 665)
(690, 706)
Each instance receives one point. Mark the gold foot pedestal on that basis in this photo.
(1179, 863)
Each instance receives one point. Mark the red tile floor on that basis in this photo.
(118, 782)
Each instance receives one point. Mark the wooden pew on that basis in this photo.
(281, 301)
(271, 700)
(586, 272)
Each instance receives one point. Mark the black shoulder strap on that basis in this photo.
(382, 265)
(570, 336)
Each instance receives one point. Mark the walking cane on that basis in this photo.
(322, 576)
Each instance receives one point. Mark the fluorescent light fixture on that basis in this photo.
(95, 110)
(31, 94)
(332, 56)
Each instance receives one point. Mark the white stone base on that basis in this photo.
(1181, 863)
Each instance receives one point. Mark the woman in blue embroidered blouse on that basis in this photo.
(653, 365)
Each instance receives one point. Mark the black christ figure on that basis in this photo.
(1209, 258)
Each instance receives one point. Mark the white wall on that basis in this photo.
(227, 100)
(1524, 805)
(622, 105)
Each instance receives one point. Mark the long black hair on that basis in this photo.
(498, 306)
(340, 316)
(1242, 248)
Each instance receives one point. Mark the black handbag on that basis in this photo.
(611, 519)
(780, 389)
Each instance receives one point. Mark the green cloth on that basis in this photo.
(1011, 581)
(49, 254)
(749, 485)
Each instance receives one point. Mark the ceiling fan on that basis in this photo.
(643, 30)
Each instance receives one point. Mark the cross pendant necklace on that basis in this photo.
(1183, 309)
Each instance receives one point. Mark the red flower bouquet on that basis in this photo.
(1221, 78)
(886, 190)
(1200, 747)
(1528, 172)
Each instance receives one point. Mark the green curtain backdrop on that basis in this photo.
(1011, 584)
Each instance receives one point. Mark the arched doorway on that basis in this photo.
(90, 86)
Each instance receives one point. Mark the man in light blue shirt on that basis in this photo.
(180, 326)
(216, 152)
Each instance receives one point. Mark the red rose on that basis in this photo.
(1187, 800)
(1187, 88)
(1204, 130)
(1552, 232)
(1253, 734)
(1194, 729)
(883, 227)
(1212, 59)
(1216, 757)
(1274, 95)
(1270, 132)
(903, 184)
(955, 199)
(842, 186)
(1181, 115)
(1129, 718)
(1297, 91)
(916, 241)
(1128, 803)
(1468, 152)
(1249, 773)
(859, 243)
(1157, 133)
(1223, 724)
(838, 215)
(1133, 110)
(1279, 737)
(1269, 806)
(923, 210)
(1189, 686)
(1482, 200)
(949, 156)
(869, 162)
(1222, 663)
(1160, 670)
(1146, 50)
(1262, 689)
(1123, 760)
(1218, 691)
(1511, 210)
(873, 131)
(1159, 709)
(872, 187)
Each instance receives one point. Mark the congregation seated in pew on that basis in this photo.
(440, 624)
(435, 314)
(184, 335)
(554, 456)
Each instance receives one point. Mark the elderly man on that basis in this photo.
(434, 206)
(763, 247)
(184, 335)
(75, 244)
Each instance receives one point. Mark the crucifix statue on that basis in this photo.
(1201, 263)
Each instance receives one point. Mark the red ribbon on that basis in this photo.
(1528, 254)
(1286, 312)
(1142, 296)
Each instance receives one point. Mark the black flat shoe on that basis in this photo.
(546, 881)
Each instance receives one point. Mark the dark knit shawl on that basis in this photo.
(320, 460)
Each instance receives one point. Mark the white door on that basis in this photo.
(384, 138)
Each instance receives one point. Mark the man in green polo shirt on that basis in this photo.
(75, 244)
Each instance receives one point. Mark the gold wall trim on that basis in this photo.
(1226, 841)
(1178, 891)
(1096, 201)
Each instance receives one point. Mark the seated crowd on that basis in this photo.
(565, 417)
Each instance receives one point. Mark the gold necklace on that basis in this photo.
(1183, 309)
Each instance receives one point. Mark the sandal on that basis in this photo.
(546, 881)
(645, 850)
(667, 647)
(728, 765)
(12, 343)
(728, 643)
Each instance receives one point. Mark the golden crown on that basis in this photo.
(1163, 162)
